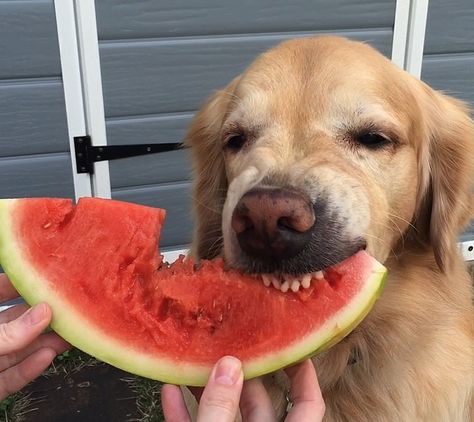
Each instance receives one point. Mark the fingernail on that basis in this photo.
(35, 315)
(228, 370)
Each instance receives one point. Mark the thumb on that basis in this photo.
(17, 334)
(220, 399)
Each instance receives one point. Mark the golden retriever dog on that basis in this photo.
(323, 147)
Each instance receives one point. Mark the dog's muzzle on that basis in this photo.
(281, 230)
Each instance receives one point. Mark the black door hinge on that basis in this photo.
(87, 155)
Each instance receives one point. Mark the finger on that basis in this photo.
(173, 404)
(220, 399)
(7, 291)
(47, 340)
(17, 334)
(15, 378)
(13, 312)
(255, 404)
(308, 403)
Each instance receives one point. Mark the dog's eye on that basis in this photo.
(236, 142)
(372, 139)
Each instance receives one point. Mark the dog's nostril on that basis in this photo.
(298, 223)
(286, 223)
(241, 223)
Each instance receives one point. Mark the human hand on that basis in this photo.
(24, 351)
(225, 392)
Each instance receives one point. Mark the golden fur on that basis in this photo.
(414, 353)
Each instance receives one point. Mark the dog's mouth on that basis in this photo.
(290, 282)
(297, 272)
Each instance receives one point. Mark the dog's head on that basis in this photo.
(321, 148)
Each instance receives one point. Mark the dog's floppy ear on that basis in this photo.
(210, 183)
(449, 173)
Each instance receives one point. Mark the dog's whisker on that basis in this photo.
(402, 234)
(207, 207)
(213, 232)
(383, 241)
(403, 219)
(215, 246)
(375, 237)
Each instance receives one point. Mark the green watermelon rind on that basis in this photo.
(78, 331)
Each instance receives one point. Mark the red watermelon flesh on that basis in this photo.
(97, 264)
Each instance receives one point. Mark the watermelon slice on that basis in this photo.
(97, 265)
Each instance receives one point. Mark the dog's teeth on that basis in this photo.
(295, 285)
(319, 275)
(276, 283)
(285, 286)
(266, 280)
(306, 281)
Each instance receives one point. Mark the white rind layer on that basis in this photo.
(70, 323)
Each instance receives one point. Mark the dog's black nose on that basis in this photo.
(273, 223)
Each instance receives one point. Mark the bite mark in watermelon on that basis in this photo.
(97, 265)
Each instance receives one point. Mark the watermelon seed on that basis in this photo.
(48, 224)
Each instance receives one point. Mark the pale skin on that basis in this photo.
(26, 351)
